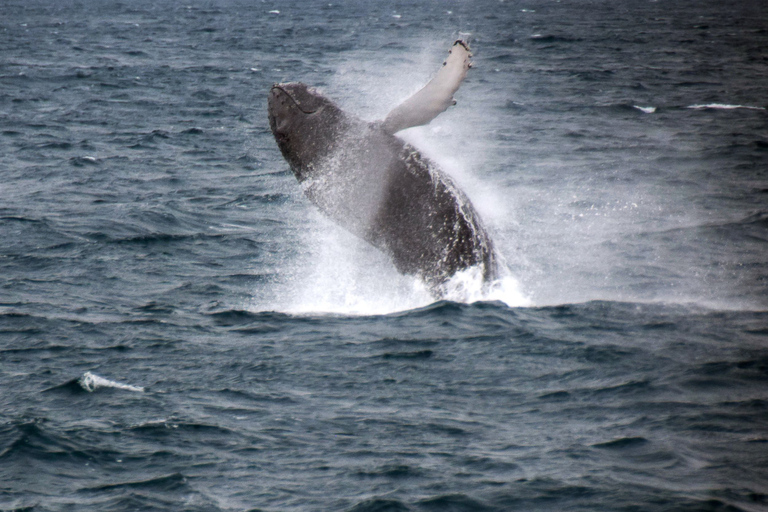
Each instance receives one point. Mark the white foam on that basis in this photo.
(469, 286)
(722, 106)
(647, 110)
(91, 382)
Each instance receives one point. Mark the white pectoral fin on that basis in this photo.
(436, 96)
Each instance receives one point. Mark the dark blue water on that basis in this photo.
(181, 330)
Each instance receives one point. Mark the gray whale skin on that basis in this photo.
(377, 186)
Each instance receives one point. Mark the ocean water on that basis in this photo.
(181, 330)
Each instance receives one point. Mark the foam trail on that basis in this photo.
(91, 382)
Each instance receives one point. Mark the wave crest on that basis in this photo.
(91, 382)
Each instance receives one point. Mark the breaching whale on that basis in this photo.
(377, 186)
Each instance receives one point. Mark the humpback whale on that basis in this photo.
(379, 187)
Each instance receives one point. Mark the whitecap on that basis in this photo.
(91, 382)
(723, 106)
(647, 110)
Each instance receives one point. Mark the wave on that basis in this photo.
(380, 505)
(171, 482)
(552, 38)
(609, 313)
(40, 440)
(455, 501)
(565, 496)
(622, 443)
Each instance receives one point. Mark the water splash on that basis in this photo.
(468, 286)
(342, 274)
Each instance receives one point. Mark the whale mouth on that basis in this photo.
(299, 94)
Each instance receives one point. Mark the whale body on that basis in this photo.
(379, 187)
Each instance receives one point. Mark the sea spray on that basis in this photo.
(343, 274)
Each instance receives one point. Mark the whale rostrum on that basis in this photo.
(377, 186)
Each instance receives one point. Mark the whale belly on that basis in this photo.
(383, 190)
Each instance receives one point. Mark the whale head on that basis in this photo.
(305, 124)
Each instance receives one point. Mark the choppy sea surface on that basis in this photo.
(181, 330)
